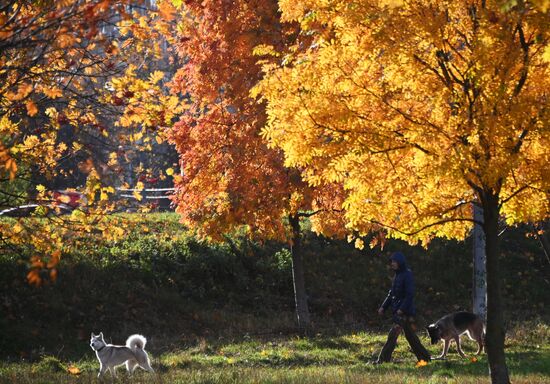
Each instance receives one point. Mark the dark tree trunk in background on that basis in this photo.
(543, 237)
(300, 296)
(495, 319)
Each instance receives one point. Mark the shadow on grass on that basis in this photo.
(335, 343)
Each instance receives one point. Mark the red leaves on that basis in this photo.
(117, 101)
(62, 118)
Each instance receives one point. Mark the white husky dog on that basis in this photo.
(110, 356)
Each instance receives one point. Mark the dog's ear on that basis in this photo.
(92, 336)
(101, 334)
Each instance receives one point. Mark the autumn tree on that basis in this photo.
(230, 177)
(419, 109)
(140, 97)
(68, 71)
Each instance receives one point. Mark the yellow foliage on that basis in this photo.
(416, 111)
(156, 76)
(137, 195)
(64, 69)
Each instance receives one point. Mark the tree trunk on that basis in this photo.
(300, 296)
(495, 319)
(479, 280)
(543, 238)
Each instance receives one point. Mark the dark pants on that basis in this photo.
(408, 326)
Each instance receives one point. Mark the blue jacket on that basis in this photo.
(401, 293)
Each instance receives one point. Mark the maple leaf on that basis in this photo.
(74, 370)
(421, 363)
(156, 76)
(33, 277)
(32, 109)
(52, 92)
(167, 11)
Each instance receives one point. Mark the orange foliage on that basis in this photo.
(230, 176)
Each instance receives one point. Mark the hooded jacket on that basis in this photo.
(401, 293)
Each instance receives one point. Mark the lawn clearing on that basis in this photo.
(320, 359)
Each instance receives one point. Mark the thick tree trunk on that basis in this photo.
(479, 279)
(495, 319)
(300, 296)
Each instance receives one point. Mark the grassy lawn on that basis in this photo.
(320, 359)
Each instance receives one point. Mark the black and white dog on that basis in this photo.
(450, 327)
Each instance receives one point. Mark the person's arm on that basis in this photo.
(387, 301)
(409, 293)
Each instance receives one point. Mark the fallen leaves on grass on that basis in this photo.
(74, 370)
(421, 363)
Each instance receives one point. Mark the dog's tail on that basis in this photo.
(136, 342)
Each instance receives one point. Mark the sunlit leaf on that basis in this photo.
(421, 363)
(74, 370)
(32, 109)
(52, 92)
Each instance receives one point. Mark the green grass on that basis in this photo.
(343, 358)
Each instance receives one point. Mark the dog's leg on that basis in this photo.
(478, 336)
(102, 370)
(145, 364)
(147, 367)
(479, 347)
(479, 339)
(131, 366)
(446, 345)
(457, 340)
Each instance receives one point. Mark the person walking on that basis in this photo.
(401, 300)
